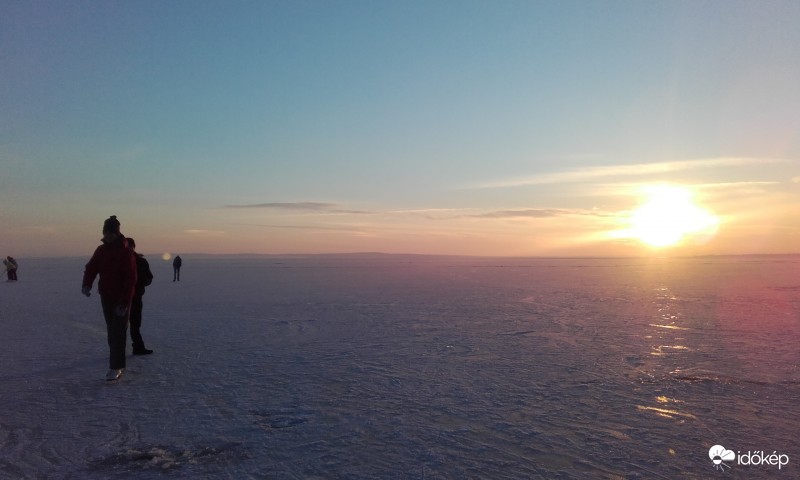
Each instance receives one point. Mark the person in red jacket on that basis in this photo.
(116, 265)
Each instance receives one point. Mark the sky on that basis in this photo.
(522, 128)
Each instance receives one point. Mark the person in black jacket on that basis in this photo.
(144, 277)
(176, 269)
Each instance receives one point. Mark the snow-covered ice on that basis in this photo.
(408, 367)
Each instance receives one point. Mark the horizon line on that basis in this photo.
(440, 255)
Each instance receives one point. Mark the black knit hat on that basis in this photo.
(111, 224)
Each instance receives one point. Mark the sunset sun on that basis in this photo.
(668, 216)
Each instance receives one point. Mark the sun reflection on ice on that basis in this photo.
(665, 412)
(669, 347)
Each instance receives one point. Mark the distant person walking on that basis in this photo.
(116, 265)
(144, 277)
(11, 268)
(176, 269)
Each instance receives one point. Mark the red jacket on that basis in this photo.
(116, 265)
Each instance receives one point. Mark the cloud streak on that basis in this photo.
(535, 213)
(320, 228)
(590, 173)
(208, 233)
(294, 206)
(445, 214)
(526, 213)
(308, 207)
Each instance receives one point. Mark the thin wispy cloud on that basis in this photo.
(352, 212)
(208, 233)
(634, 188)
(640, 169)
(538, 213)
(426, 211)
(722, 185)
(333, 228)
(796, 180)
(308, 207)
(735, 189)
(526, 213)
(290, 227)
(304, 206)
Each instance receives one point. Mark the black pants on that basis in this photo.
(136, 323)
(117, 328)
(176, 274)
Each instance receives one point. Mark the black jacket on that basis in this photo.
(144, 276)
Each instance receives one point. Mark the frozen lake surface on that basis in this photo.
(408, 367)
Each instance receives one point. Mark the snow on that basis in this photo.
(379, 366)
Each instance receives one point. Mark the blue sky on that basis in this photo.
(486, 128)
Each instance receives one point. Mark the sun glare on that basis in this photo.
(668, 216)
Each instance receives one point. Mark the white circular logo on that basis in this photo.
(719, 455)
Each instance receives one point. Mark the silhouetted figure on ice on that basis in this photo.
(116, 265)
(11, 268)
(176, 269)
(144, 277)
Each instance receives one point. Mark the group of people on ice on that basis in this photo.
(124, 274)
(11, 268)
